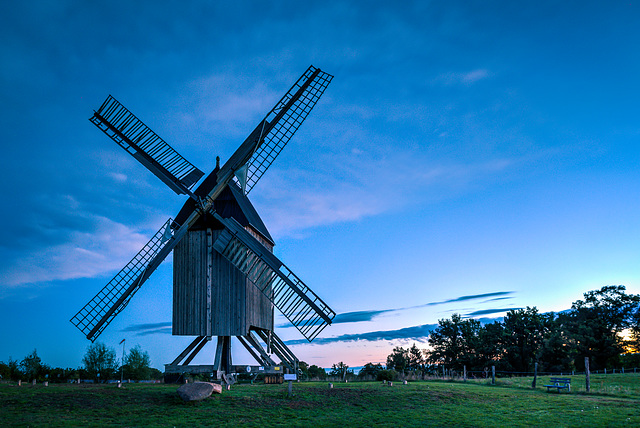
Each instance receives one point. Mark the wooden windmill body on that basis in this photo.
(226, 280)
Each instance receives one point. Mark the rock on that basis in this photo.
(198, 390)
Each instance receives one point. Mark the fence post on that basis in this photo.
(444, 374)
(464, 373)
(587, 374)
(605, 370)
(622, 370)
(535, 375)
(493, 375)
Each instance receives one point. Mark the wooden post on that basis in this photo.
(493, 375)
(464, 373)
(587, 374)
(622, 370)
(535, 375)
(605, 370)
(443, 372)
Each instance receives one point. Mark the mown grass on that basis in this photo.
(512, 402)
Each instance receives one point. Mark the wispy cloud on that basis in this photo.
(365, 316)
(418, 333)
(146, 327)
(465, 78)
(469, 297)
(490, 311)
(105, 247)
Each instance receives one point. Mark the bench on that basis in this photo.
(560, 383)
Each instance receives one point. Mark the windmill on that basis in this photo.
(226, 279)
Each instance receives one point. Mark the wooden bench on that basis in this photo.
(560, 383)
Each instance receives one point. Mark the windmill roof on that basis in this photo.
(231, 203)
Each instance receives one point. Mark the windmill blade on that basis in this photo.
(273, 133)
(297, 302)
(285, 119)
(96, 315)
(146, 146)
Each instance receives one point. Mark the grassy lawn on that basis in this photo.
(615, 401)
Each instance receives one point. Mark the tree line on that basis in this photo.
(99, 364)
(603, 326)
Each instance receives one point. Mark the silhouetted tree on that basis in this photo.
(137, 364)
(597, 323)
(370, 370)
(415, 358)
(340, 369)
(398, 359)
(455, 343)
(524, 334)
(100, 362)
(317, 372)
(32, 366)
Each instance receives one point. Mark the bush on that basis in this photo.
(387, 375)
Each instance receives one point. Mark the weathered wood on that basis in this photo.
(588, 374)
(211, 296)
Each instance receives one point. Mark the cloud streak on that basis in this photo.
(490, 311)
(419, 333)
(365, 316)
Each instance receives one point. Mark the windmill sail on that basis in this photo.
(297, 302)
(96, 315)
(146, 146)
(277, 128)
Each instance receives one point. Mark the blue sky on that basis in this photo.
(467, 158)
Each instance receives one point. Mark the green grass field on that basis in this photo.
(614, 401)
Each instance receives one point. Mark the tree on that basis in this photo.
(415, 358)
(137, 364)
(10, 370)
(370, 370)
(558, 349)
(340, 369)
(398, 359)
(455, 343)
(32, 366)
(597, 324)
(100, 362)
(524, 333)
(490, 348)
(317, 372)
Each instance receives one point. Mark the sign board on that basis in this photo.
(290, 377)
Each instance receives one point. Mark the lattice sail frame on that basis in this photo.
(297, 302)
(123, 127)
(92, 313)
(314, 81)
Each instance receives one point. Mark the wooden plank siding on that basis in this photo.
(236, 304)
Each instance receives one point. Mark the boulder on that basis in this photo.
(198, 390)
